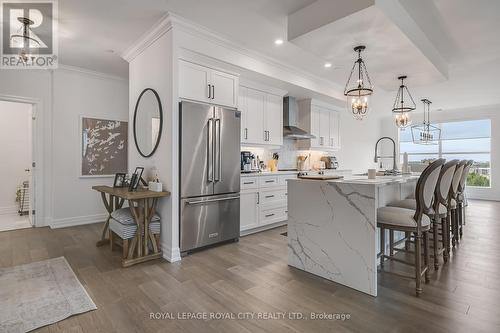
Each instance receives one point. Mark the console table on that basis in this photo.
(142, 205)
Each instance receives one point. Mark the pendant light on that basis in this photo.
(358, 88)
(426, 133)
(403, 105)
(24, 41)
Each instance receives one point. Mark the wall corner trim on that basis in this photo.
(148, 38)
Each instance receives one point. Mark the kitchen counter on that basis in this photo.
(311, 172)
(332, 226)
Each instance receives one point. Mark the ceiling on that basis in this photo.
(432, 41)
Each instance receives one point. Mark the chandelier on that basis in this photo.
(403, 105)
(358, 90)
(426, 133)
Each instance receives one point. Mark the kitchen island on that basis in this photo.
(332, 226)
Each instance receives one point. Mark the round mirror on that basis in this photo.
(148, 122)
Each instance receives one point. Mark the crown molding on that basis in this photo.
(148, 38)
(171, 20)
(89, 72)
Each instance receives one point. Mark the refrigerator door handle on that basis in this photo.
(210, 151)
(218, 153)
(196, 202)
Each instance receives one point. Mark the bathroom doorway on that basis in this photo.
(16, 167)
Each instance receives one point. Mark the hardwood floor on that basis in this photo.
(252, 277)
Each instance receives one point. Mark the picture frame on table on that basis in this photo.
(120, 180)
(136, 179)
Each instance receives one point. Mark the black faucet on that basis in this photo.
(375, 159)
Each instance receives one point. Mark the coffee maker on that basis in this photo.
(330, 162)
(248, 162)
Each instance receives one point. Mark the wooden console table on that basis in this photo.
(142, 204)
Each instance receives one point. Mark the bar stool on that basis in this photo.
(461, 198)
(440, 210)
(453, 199)
(413, 221)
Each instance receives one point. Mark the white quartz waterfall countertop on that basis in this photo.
(380, 180)
(294, 172)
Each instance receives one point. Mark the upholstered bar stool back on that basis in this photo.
(461, 196)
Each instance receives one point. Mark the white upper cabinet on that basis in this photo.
(323, 122)
(203, 84)
(262, 117)
(273, 123)
(194, 81)
(253, 122)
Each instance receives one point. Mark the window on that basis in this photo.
(464, 140)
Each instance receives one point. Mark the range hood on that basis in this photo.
(291, 119)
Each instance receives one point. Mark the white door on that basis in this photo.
(334, 141)
(242, 107)
(194, 81)
(249, 210)
(224, 89)
(255, 101)
(315, 126)
(324, 127)
(274, 120)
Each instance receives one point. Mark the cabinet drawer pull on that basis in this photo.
(248, 183)
(269, 215)
(286, 211)
(269, 196)
(269, 181)
(209, 92)
(246, 133)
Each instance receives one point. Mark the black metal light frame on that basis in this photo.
(363, 86)
(426, 133)
(399, 103)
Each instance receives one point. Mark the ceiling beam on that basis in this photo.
(320, 13)
(417, 21)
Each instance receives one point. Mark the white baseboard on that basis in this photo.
(263, 228)
(78, 220)
(169, 254)
(8, 210)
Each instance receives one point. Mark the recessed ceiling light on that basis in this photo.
(328, 64)
(278, 41)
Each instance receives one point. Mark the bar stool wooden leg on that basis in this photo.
(382, 247)
(391, 242)
(111, 240)
(445, 233)
(407, 240)
(436, 242)
(426, 256)
(418, 264)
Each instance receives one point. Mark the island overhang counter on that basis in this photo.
(332, 226)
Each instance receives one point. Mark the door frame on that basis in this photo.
(37, 135)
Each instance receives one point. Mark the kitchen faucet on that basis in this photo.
(375, 159)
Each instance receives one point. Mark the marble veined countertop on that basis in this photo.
(310, 172)
(363, 180)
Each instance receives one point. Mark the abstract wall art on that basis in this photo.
(104, 147)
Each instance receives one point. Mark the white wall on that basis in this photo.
(80, 94)
(15, 151)
(471, 113)
(153, 68)
(60, 96)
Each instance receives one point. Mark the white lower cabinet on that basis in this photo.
(263, 201)
(249, 209)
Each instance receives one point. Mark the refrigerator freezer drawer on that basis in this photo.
(209, 220)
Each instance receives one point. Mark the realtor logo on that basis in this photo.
(28, 36)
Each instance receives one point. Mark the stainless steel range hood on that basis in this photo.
(291, 119)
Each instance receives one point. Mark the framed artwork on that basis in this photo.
(103, 147)
(136, 179)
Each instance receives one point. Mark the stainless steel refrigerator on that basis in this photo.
(209, 175)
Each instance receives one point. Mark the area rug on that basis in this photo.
(39, 294)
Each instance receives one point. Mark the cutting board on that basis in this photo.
(321, 177)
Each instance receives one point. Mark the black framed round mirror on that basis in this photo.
(148, 122)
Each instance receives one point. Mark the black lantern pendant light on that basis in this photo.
(358, 88)
(403, 105)
(426, 133)
(24, 41)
